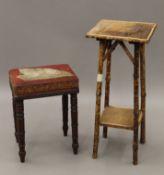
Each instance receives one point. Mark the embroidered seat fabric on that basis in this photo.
(43, 79)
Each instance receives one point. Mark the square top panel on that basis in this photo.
(122, 30)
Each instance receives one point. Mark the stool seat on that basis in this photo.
(41, 80)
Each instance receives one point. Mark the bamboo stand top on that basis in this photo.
(122, 30)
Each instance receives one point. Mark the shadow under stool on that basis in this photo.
(44, 81)
(110, 34)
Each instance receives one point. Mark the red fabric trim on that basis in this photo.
(13, 73)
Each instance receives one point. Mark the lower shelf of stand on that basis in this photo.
(119, 117)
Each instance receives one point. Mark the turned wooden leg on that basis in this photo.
(143, 92)
(74, 118)
(136, 104)
(14, 115)
(98, 99)
(107, 84)
(20, 128)
(65, 114)
(105, 131)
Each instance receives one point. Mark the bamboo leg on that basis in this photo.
(74, 117)
(65, 114)
(14, 115)
(136, 104)
(107, 85)
(98, 98)
(143, 92)
(21, 132)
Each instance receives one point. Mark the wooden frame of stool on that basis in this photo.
(18, 111)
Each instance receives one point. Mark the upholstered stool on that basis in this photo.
(44, 81)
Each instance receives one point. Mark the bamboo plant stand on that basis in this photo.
(110, 34)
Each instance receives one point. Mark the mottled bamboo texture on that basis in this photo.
(122, 44)
(105, 51)
(107, 84)
(143, 92)
(65, 113)
(98, 98)
(20, 131)
(136, 102)
(74, 117)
